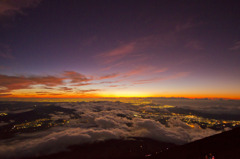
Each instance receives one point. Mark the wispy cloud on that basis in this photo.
(111, 66)
(6, 55)
(144, 70)
(117, 53)
(82, 84)
(88, 90)
(42, 92)
(52, 84)
(12, 7)
(139, 70)
(134, 59)
(236, 46)
(5, 51)
(136, 72)
(194, 44)
(55, 94)
(76, 77)
(161, 70)
(5, 94)
(66, 89)
(157, 79)
(113, 86)
(23, 82)
(114, 75)
(184, 26)
(3, 67)
(71, 82)
(3, 90)
(46, 80)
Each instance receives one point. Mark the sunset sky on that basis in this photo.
(119, 48)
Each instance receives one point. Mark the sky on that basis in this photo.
(120, 48)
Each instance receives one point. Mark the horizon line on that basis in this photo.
(161, 97)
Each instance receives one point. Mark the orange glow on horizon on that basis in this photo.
(119, 96)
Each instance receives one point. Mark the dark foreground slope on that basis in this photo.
(134, 148)
(222, 146)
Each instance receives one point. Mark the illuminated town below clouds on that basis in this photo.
(190, 120)
(143, 108)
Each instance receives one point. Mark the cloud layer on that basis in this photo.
(100, 121)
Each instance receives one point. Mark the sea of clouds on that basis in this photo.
(100, 121)
(203, 105)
